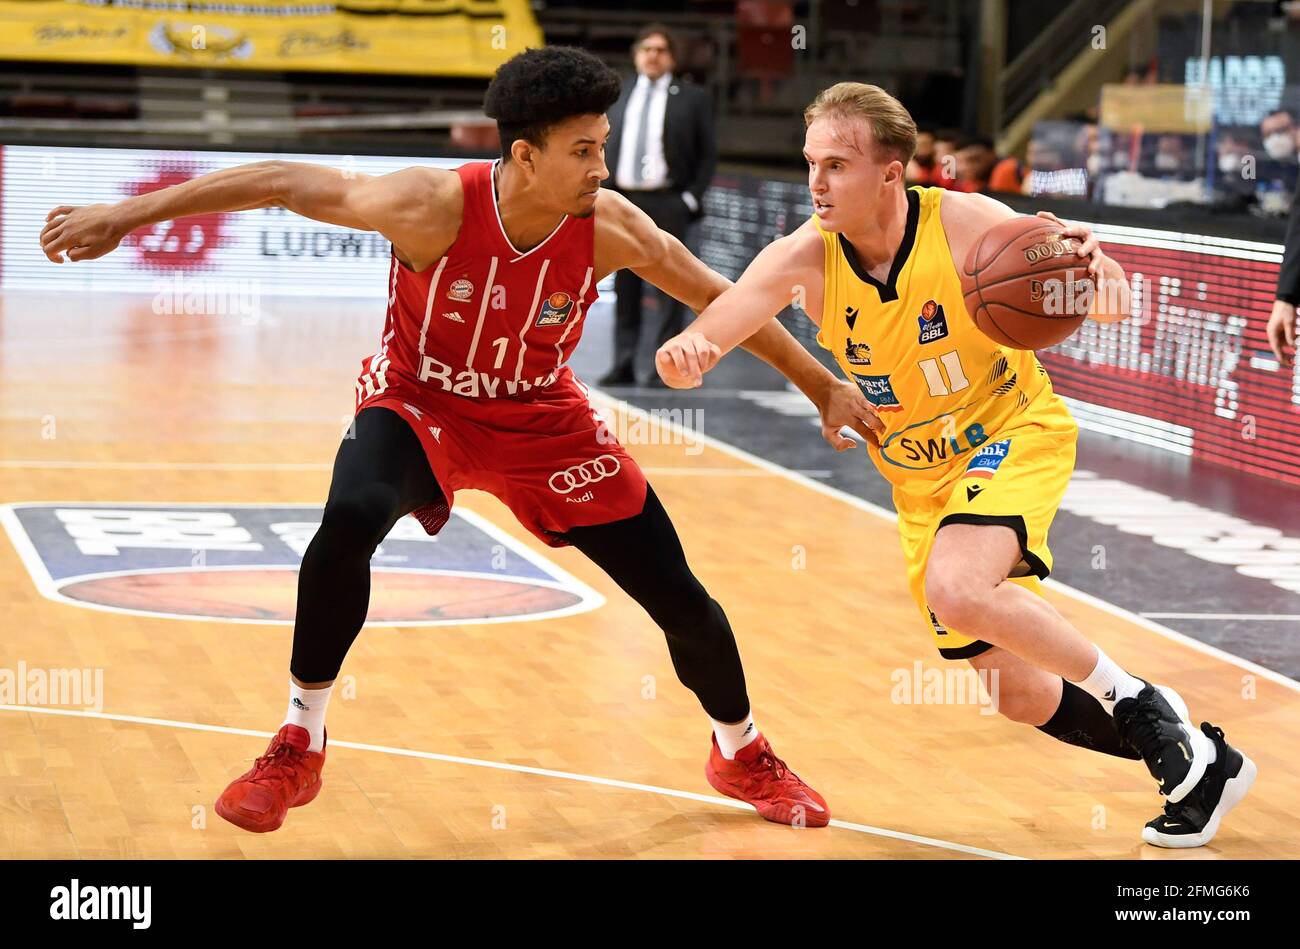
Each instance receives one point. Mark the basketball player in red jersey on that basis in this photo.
(494, 270)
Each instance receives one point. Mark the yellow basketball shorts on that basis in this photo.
(1016, 479)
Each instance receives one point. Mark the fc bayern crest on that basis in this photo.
(556, 309)
(460, 290)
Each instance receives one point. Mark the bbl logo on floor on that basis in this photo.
(239, 563)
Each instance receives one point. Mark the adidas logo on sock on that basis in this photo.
(1110, 694)
(749, 728)
(297, 703)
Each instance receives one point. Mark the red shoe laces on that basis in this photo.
(276, 764)
(770, 761)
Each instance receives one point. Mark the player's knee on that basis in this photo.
(1012, 699)
(687, 611)
(1020, 692)
(360, 517)
(954, 600)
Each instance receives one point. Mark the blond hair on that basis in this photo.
(892, 127)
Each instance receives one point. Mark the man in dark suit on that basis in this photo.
(661, 154)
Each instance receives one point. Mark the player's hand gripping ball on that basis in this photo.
(1029, 282)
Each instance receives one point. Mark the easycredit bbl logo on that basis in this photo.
(239, 563)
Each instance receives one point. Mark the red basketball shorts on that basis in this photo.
(550, 458)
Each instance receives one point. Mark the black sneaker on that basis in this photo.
(1156, 726)
(1194, 820)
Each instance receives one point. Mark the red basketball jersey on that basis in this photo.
(487, 320)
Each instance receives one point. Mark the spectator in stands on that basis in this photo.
(920, 170)
(1170, 159)
(1278, 129)
(1277, 170)
(1139, 76)
(1087, 146)
(1008, 176)
(975, 162)
(1233, 165)
(661, 155)
(947, 142)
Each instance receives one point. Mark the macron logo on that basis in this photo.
(103, 902)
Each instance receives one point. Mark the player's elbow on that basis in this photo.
(276, 181)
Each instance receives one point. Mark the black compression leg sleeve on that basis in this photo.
(380, 475)
(643, 555)
(1081, 720)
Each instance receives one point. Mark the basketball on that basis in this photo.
(1025, 285)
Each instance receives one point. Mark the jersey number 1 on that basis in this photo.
(500, 343)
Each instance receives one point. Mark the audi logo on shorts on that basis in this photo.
(589, 472)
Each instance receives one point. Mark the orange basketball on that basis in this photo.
(1026, 285)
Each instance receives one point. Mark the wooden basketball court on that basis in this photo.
(566, 736)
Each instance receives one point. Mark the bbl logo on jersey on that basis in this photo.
(460, 290)
(556, 309)
(879, 392)
(239, 563)
(934, 325)
(858, 354)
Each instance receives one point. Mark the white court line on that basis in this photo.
(891, 516)
(519, 769)
(1267, 617)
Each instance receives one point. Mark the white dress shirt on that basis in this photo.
(652, 95)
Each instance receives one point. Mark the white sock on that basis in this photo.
(731, 738)
(1108, 683)
(307, 709)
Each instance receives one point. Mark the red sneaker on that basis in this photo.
(288, 775)
(759, 777)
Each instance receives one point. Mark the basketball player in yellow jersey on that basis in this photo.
(977, 446)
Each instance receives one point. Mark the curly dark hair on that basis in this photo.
(539, 88)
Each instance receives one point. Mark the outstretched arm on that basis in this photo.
(632, 240)
(749, 306)
(391, 204)
(658, 257)
(744, 314)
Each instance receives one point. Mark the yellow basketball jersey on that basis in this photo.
(941, 387)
